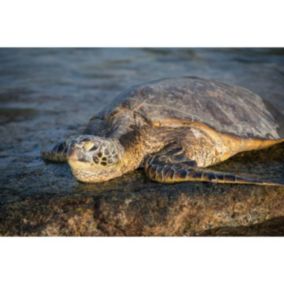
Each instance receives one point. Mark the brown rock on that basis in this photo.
(190, 209)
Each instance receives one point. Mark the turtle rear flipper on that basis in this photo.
(177, 168)
(57, 154)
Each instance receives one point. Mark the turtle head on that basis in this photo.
(95, 159)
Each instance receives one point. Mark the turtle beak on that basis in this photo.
(72, 153)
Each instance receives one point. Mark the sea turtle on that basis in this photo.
(173, 128)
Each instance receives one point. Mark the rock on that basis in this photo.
(273, 227)
(187, 210)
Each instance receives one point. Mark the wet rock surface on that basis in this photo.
(48, 94)
(151, 211)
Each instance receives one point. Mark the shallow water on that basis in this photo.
(48, 94)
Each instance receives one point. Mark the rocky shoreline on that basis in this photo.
(192, 211)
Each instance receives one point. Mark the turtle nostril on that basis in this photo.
(82, 158)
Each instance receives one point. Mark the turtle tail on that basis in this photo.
(58, 153)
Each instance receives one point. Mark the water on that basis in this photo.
(48, 94)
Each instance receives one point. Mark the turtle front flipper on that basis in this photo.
(57, 154)
(176, 168)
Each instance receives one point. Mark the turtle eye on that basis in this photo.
(94, 148)
(88, 145)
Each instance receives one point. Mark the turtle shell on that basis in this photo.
(226, 108)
